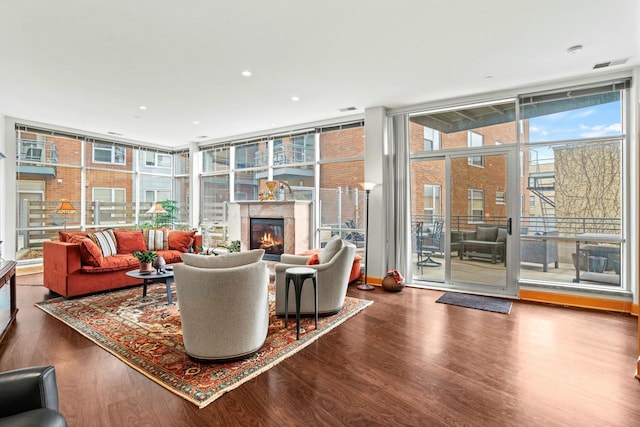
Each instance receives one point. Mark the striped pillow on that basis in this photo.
(156, 240)
(106, 241)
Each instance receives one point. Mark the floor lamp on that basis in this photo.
(156, 209)
(64, 209)
(368, 186)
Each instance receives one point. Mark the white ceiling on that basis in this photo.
(90, 64)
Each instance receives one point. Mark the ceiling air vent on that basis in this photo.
(345, 109)
(610, 63)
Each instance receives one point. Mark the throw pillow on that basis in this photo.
(181, 240)
(313, 260)
(129, 241)
(106, 241)
(502, 235)
(233, 259)
(330, 250)
(90, 253)
(487, 234)
(65, 236)
(156, 240)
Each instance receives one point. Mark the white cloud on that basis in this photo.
(582, 114)
(600, 130)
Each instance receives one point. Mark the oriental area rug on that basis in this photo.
(146, 334)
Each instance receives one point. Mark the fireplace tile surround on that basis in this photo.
(297, 215)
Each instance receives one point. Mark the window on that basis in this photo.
(431, 139)
(475, 140)
(157, 160)
(432, 197)
(500, 199)
(217, 159)
(476, 205)
(532, 200)
(105, 153)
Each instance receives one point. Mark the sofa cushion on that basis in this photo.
(487, 234)
(129, 241)
(156, 240)
(65, 236)
(502, 235)
(330, 250)
(180, 240)
(90, 253)
(112, 263)
(106, 241)
(234, 259)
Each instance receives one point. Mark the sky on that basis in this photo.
(589, 122)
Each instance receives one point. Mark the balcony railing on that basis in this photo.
(34, 151)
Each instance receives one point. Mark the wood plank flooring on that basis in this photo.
(403, 361)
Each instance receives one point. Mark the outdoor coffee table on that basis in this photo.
(154, 277)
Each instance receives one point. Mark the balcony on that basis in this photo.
(36, 157)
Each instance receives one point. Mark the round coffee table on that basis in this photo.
(154, 277)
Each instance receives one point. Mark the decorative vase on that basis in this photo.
(390, 284)
(145, 267)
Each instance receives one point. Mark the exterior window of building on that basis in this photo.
(431, 139)
(432, 203)
(476, 205)
(106, 153)
(476, 140)
(156, 160)
(532, 201)
(500, 198)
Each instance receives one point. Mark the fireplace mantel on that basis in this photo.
(297, 216)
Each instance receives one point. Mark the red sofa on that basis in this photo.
(68, 273)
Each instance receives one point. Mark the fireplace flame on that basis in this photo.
(267, 240)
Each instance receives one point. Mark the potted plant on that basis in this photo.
(146, 259)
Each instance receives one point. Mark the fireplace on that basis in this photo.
(268, 234)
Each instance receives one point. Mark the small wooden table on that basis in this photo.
(154, 277)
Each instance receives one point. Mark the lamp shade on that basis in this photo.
(66, 208)
(156, 209)
(368, 186)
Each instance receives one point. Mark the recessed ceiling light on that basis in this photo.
(246, 73)
(114, 133)
(143, 107)
(345, 109)
(574, 49)
(195, 122)
(202, 137)
(488, 77)
(295, 99)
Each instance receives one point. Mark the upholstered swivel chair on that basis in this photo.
(224, 304)
(29, 397)
(332, 276)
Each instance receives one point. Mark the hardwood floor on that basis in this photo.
(403, 361)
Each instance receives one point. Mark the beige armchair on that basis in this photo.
(332, 275)
(224, 304)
